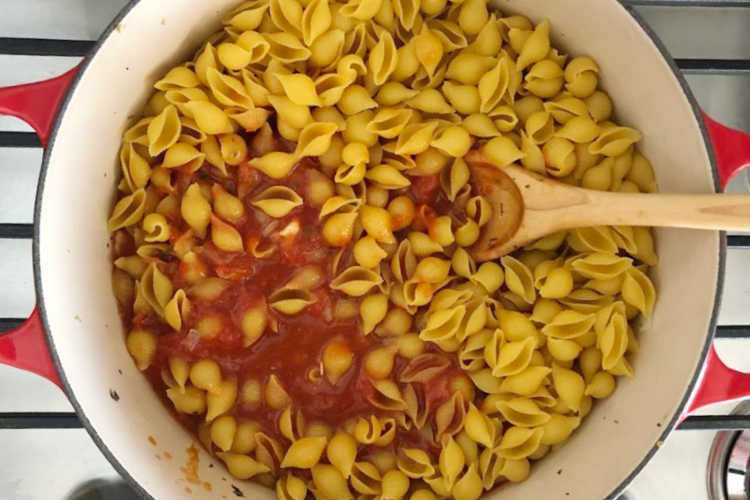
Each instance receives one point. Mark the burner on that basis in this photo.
(729, 461)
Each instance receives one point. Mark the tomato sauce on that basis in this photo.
(291, 346)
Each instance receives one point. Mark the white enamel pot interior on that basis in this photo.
(73, 258)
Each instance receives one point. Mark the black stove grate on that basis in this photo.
(79, 48)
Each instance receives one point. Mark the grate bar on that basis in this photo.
(16, 231)
(688, 3)
(714, 66)
(715, 423)
(733, 331)
(19, 140)
(51, 420)
(7, 324)
(42, 420)
(45, 47)
(738, 241)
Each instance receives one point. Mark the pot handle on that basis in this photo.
(719, 382)
(35, 103)
(731, 148)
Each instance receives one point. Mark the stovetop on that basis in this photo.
(44, 452)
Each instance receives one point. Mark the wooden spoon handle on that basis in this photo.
(697, 211)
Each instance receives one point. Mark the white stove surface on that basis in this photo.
(52, 464)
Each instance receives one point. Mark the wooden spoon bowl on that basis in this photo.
(527, 206)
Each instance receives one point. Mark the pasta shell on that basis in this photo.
(292, 424)
(163, 130)
(585, 301)
(382, 59)
(255, 88)
(277, 201)
(362, 10)
(205, 60)
(304, 453)
(565, 109)
(393, 93)
(418, 408)
(416, 138)
(336, 204)
(451, 460)
(135, 169)
(569, 325)
(350, 174)
(519, 442)
(471, 356)
(210, 118)
(638, 291)
(514, 357)
(428, 47)
(526, 382)
(544, 79)
(450, 34)
(330, 88)
(601, 266)
(387, 396)
(191, 133)
(300, 89)
(286, 15)
(137, 133)
(247, 16)
(594, 239)
(290, 488)
(287, 48)
(443, 324)
(327, 49)
(388, 177)
(184, 155)
(406, 11)
(275, 164)
(242, 466)
(390, 122)
(522, 412)
(342, 453)
(250, 119)
(316, 19)
(228, 90)
(569, 385)
(613, 341)
(156, 288)
(268, 451)
(614, 141)
(356, 281)
(177, 77)
(403, 262)
(315, 139)
(485, 381)
(536, 48)
(519, 279)
(558, 429)
(423, 368)
(415, 463)
(177, 310)
(494, 84)
(127, 211)
(290, 301)
(365, 478)
(579, 129)
(450, 417)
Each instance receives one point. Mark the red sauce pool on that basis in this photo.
(299, 340)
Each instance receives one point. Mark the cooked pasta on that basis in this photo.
(292, 243)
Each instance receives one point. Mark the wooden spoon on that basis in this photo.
(527, 206)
